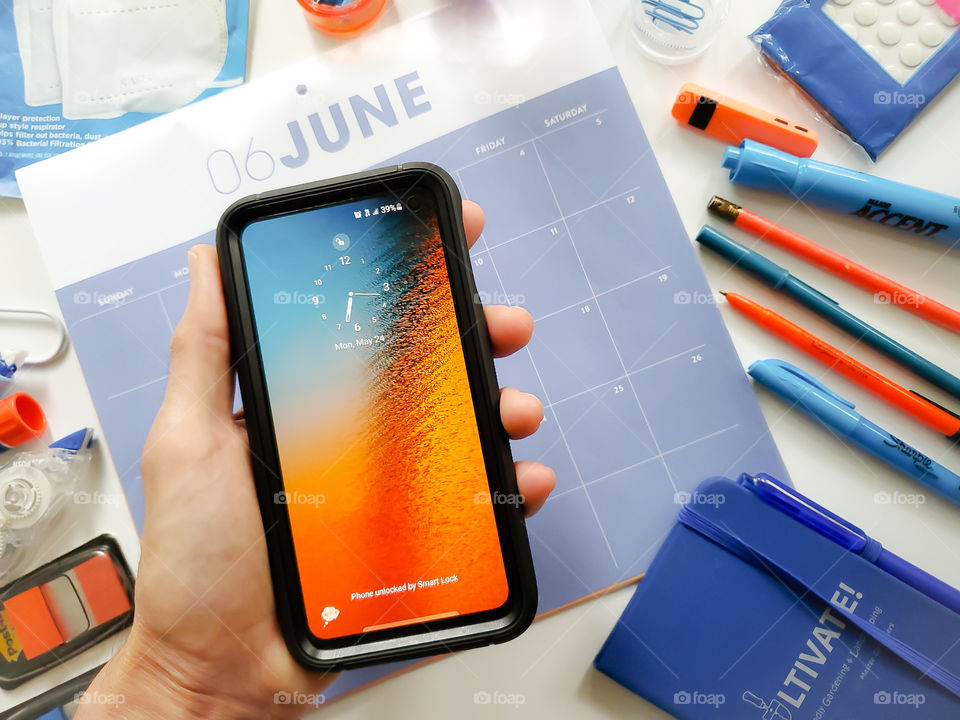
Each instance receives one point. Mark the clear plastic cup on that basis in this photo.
(676, 31)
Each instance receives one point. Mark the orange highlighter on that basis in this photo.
(881, 286)
(733, 121)
(912, 403)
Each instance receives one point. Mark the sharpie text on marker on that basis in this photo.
(883, 213)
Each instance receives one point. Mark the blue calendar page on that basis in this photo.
(644, 394)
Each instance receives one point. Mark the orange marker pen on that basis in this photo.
(733, 121)
(880, 285)
(926, 411)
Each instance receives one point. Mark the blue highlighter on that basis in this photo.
(838, 415)
(896, 205)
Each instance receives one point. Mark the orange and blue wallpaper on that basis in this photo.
(381, 459)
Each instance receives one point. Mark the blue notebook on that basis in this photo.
(747, 613)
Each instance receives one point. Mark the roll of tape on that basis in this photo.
(25, 495)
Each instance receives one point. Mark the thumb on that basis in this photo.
(200, 373)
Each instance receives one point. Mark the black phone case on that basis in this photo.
(403, 644)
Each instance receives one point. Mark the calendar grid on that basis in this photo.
(547, 404)
(643, 393)
(623, 377)
(606, 326)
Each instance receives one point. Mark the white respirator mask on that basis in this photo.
(33, 20)
(120, 56)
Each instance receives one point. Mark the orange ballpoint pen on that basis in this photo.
(912, 403)
(885, 289)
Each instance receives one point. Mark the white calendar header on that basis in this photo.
(168, 180)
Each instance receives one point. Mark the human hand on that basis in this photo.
(205, 640)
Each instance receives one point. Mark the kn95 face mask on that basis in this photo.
(33, 20)
(151, 56)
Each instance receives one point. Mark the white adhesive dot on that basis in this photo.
(901, 36)
(851, 30)
(896, 72)
(911, 54)
(931, 35)
(866, 13)
(909, 13)
(872, 51)
(889, 33)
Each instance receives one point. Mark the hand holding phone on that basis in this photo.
(383, 472)
(205, 601)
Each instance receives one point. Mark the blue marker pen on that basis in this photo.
(838, 415)
(848, 536)
(903, 207)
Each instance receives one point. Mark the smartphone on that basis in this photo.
(384, 476)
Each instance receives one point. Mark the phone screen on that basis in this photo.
(383, 473)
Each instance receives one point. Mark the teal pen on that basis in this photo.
(780, 279)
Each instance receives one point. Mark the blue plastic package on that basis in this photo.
(869, 67)
(74, 71)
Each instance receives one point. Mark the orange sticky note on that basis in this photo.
(33, 623)
(102, 588)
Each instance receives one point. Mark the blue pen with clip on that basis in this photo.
(839, 416)
(780, 279)
(848, 536)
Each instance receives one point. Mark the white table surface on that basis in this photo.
(549, 667)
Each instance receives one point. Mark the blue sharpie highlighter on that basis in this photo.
(838, 415)
(903, 207)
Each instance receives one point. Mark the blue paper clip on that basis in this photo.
(681, 15)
